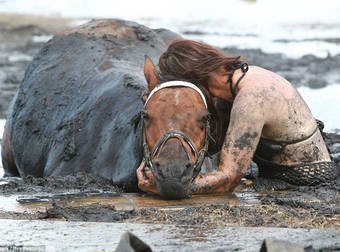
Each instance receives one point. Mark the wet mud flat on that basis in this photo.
(21, 37)
(256, 202)
(74, 207)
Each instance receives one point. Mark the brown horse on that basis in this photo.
(77, 106)
(179, 124)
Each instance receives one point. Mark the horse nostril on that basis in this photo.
(187, 172)
(158, 170)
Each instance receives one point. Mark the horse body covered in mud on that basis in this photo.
(74, 110)
(78, 105)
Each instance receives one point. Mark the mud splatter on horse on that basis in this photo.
(76, 109)
(73, 111)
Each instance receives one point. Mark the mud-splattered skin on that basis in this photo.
(266, 106)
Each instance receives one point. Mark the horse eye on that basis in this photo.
(205, 118)
(145, 116)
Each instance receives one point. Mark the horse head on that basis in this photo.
(176, 133)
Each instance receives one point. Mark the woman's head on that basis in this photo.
(193, 61)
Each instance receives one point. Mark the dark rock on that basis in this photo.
(12, 78)
(131, 243)
(336, 159)
(317, 82)
(270, 245)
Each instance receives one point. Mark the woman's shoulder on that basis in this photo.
(263, 80)
(268, 92)
(263, 73)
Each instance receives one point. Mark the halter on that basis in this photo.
(244, 67)
(181, 136)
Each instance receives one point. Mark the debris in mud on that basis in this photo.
(258, 215)
(79, 182)
(95, 213)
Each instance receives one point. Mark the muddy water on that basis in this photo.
(121, 201)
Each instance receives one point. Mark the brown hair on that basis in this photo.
(192, 61)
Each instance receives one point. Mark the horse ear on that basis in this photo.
(150, 74)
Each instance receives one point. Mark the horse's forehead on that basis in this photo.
(178, 97)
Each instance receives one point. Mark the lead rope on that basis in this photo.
(244, 67)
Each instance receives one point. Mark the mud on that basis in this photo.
(256, 203)
(67, 210)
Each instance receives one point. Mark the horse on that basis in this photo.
(180, 126)
(79, 109)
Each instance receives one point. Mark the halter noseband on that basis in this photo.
(181, 136)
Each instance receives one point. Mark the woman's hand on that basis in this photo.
(215, 182)
(146, 180)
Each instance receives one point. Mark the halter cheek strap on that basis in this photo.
(244, 67)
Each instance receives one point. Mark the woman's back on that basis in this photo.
(287, 116)
(288, 122)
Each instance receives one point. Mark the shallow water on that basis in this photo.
(271, 26)
(324, 104)
(38, 203)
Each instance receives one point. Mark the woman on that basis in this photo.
(269, 121)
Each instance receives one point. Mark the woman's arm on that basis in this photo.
(243, 134)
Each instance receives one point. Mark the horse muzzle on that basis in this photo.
(173, 171)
